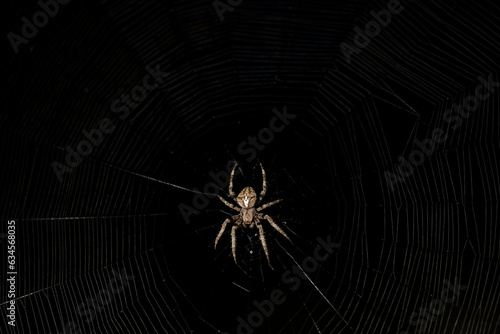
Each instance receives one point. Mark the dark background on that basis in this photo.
(397, 248)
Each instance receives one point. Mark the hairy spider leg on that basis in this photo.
(264, 183)
(231, 192)
(268, 205)
(232, 206)
(273, 224)
(262, 239)
(233, 242)
(227, 221)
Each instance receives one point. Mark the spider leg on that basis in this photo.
(276, 227)
(262, 239)
(264, 183)
(227, 221)
(233, 242)
(232, 206)
(231, 192)
(268, 205)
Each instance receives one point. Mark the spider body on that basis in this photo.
(247, 199)
(248, 216)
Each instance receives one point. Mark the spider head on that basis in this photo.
(247, 198)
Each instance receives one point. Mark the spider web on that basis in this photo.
(116, 216)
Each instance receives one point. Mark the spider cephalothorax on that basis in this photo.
(248, 216)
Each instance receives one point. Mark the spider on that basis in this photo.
(248, 215)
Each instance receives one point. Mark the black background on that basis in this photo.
(225, 78)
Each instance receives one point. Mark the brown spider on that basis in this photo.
(248, 216)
